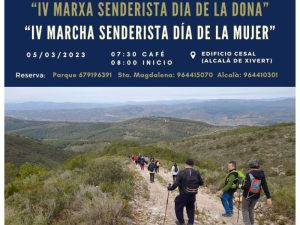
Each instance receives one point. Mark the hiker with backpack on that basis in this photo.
(174, 171)
(157, 165)
(151, 169)
(142, 162)
(188, 181)
(254, 182)
(231, 185)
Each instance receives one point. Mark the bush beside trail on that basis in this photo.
(83, 190)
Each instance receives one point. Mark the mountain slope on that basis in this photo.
(19, 150)
(16, 124)
(52, 130)
(153, 129)
(141, 130)
(273, 145)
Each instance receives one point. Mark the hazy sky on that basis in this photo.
(115, 94)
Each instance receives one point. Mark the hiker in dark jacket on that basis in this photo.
(226, 194)
(151, 169)
(255, 180)
(142, 162)
(188, 182)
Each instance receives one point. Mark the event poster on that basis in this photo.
(149, 112)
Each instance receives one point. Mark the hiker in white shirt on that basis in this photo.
(174, 171)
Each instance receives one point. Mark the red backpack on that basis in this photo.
(255, 186)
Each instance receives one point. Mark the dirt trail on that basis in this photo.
(152, 211)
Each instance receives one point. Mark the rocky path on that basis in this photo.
(152, 210)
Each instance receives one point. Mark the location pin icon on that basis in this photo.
(193, 54)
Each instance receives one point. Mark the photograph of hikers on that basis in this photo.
(150, 156)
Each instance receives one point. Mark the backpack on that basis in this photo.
(151, 167)
(191, 182)
(157, 164)
(239, 180)
(255, 186)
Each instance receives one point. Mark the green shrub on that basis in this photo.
(110, 176)
(11, 172)
(290, 172)
(218, 146)
(91, 206)
(250, 139)
(254, 149)
(210, 165)
(104, 170)
(214, 180)
(230, 143)
(72, 196)
(28, 169)
(284, 200)
(291, 140)
(75, 162)
(29, 177)
(10, 188)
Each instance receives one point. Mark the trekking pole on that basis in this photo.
(197, 212)
(239, 204)
(166, 208)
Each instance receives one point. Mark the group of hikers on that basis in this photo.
(153, 166)
(188, 181)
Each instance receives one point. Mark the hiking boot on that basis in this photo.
(227, 215)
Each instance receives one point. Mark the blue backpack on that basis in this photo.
(151, 167)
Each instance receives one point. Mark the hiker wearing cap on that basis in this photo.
(226, 194)
(255, 180)
(151, 169)
(174, 171)
(188, 181)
